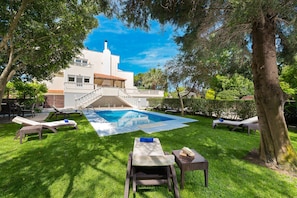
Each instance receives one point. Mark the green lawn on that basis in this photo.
(78, 163)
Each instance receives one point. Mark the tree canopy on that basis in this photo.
(231, 88)
(288, 79)
(265, 28)
(154, 79)
(39, 38)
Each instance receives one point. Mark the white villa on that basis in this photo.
(94, 80)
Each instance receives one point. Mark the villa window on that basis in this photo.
(86, 79)
(78, 80)
(81, 62)
(71, 78)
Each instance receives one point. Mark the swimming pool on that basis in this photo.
(111, 122)
(127, 118)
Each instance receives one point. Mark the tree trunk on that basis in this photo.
(275, 145)
(3, 83)
(180, 97)
(5, 76)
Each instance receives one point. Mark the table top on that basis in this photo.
(189, 160)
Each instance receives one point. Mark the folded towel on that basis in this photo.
(188, 151)
(146, 139)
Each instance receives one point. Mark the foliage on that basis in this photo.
(154, 79)
(174, 93)
(26, 92)
(10, 90)
(193, 76)
(39, 38)
(138, 80)
(228, 95)
(154, 102)
(184, 79)
(291, 92)
(245, 109)
(288, 79)
(230, 109)
(290, 111)
(268, 28)
(234, 87)
(30, 90)
(210, 94)
(71, 162)
(171, 103)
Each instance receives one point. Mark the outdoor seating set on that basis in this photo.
(149, 165)
(11, 109)
(31, 126)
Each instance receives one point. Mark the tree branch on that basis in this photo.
(16, 19)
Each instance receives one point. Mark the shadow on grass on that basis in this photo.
(74, 163)
(78, 163)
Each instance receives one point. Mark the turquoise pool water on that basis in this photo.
(124, 118)
(112, 122)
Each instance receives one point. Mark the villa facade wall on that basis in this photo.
(78, 78)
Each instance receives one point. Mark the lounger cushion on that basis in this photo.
(141, 160)
(25, 121)
(148, 148)
(150, 154)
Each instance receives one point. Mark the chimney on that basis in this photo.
(105, 44)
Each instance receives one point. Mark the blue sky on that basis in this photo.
(139, 51)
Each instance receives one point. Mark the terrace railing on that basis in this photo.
(89, 98)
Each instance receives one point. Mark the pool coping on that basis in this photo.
(104, 128)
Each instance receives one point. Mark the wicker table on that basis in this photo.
(190, 164)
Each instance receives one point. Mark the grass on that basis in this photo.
(78, 163)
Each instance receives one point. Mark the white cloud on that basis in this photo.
(153, 57)
(111, 26)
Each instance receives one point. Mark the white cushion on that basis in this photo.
(140, 160)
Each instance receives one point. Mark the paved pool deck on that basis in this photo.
(104, 128)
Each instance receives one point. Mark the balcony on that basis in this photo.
(111, 91)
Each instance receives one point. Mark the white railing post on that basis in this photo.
(130, 96)
(88, 98)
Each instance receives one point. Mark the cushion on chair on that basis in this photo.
(141, 160)
(146, 139)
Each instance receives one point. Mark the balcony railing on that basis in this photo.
(132, 100)
(134, 92)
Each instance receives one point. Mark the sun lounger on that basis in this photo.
(172, 111)
(48, 125)
(65, 112)
(186, 109)
(235, 124)
(149, 165)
